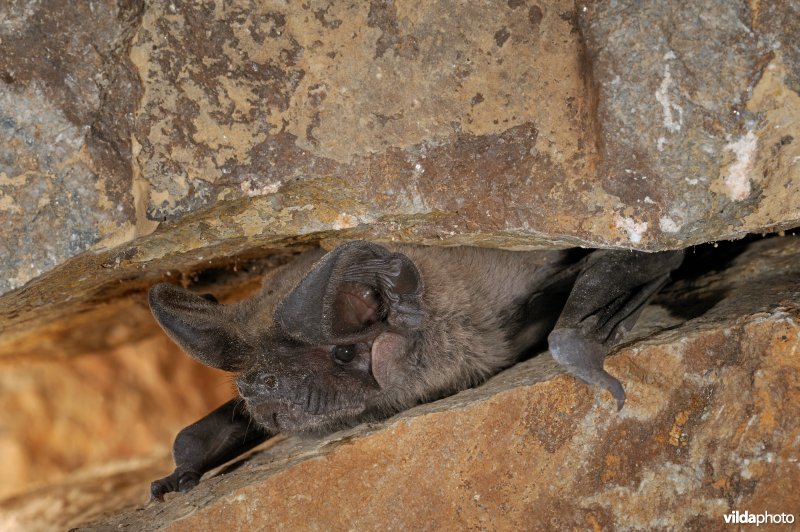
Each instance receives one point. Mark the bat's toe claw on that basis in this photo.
(602, 379)
(583, 358)
(162, 486)
(179, 480)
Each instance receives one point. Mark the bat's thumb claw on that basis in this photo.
(601, 379)
(616, 390)
(160, 487)
(156, 495)
(584, 358)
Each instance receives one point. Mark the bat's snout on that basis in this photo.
(258, 384)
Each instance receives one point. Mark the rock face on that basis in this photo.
(98, 409)
(67, 94)
(710, 426)
(209, 142)
(517, 124)
(713, 126)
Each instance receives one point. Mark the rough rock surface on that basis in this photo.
(144, 141)
(98, 409)
(699, 112)
(66, 97)
(710, 426)
(247, 125)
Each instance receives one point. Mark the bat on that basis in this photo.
(366, 331)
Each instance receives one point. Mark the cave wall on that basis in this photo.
(206, 143)
(139, 134)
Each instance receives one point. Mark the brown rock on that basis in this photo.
(249, 131)
(507, 125)
(487, 118)
(66, 96)
(243, 101)
(82, 497)
(98, 409)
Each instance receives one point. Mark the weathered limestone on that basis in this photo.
(490, 116)
(67, 94)
(699, 112)
(515, 124)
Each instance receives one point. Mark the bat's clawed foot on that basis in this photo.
(583, 358)
(181, 481)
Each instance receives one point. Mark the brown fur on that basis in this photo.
(366, 331)
(468, 299)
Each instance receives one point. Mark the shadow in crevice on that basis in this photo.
(232, 466)
(709, 258)
(690, 306)
(690, 294)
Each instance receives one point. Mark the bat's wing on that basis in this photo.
(222, 435)
(607, 298)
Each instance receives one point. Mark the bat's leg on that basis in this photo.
(607, 298)
(222, 435)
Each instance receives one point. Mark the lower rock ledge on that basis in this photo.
(710, 427)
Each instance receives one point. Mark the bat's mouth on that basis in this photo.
(283, 415)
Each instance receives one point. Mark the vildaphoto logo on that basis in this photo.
(764, 518)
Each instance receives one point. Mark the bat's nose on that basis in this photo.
(257, 384)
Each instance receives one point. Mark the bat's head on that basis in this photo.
(335, 349)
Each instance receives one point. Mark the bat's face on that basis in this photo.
(295, 387)
(336, 349)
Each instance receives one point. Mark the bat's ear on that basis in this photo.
(352, 291)
(200, 325)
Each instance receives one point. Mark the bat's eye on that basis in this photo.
(344, 353)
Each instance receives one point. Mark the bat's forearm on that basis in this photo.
(222, 435)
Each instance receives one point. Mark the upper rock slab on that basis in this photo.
(607, 125)
(514, 124)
